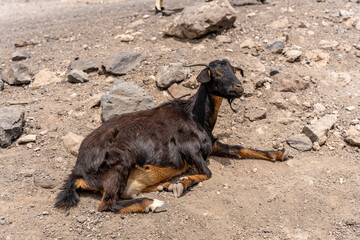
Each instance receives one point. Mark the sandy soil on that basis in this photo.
(313, 195)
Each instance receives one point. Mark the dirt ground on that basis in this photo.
(313, 195)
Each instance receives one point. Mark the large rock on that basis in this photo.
(196, 21)
(17, 74)
(72, 143)
(300, 142)
(318, 130)
(353, 135)
(11, 125)
(43, 78)
(172, 73)
(122, 62)
(124, 97)
(88, 65)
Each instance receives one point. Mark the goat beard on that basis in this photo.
(230, 100)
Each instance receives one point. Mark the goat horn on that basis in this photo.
(195, 65)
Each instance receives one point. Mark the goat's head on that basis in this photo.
(220, 80)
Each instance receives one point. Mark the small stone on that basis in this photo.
(304, 24)
(78, 76)
(178, 91)
(273, 71)
(122, 62)
(254, 170)
(2, 85)
(43, 78)
(223, 39)
(350, 108)
(317, 57)
(282, 23)
(316, 146)
(300, 142)
(72, 143)
(229, 50)
(276, 47)
(19, 55)
(44, 182)
(172, 73)
(17, 74)
(319, 129)
(248, 43)
(21, 43)
(293, 55)
(319, 108)
(125, 37)
(256, 114)
(135, 24)
(27, 139)
(81, 219)
(27, 172)
(354, 122)
(88, 65)
(45, 213)
(328, 45)
(353, 135)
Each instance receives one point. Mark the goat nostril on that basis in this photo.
(238, 85)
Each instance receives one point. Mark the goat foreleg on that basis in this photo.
(225, 150)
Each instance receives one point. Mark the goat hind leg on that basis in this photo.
(225, 150)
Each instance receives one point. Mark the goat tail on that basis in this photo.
(68, 197)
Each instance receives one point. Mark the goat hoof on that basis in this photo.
(286, 154)
(178, 189)
(171, 187)
(183, 178)
(160, 188)
(158, 206)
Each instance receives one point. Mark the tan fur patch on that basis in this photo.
(141, 178)
(217, 104)
(80, 183)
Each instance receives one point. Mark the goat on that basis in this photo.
(140, 152)
(159, 5)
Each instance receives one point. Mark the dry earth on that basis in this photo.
(313, 195)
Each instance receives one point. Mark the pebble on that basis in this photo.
(350, 108)
(292, 55)
(81, 219)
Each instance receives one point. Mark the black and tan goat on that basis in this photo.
(139, 152)
(159, 5)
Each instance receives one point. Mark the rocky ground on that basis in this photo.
(315, 47)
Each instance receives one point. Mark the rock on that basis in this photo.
(328, 45)
(281, 23)
(223, 39)
(344, 47)
(11, 125)
(124, 97)
(135, 24)
(172, 73)
(293, 55)
(122, 62)
(43, 78)
(300, 142)
(2, 85)
(21, 43)
(290, 82)
(94, 101)
(81, 219)
(318, 130)
(345, 14)
(44, 182)
(276, 47)
(88, 65)
(72, 143)
(273, 71)
(17, 74)
(350, 108)
(27, 172)
(354, 122)
(78, 76)
(256, 114)
(278, 101)
(178, 91)
(196, 21)
(353, 135)
(192, 83)
(27, 139)
(317, 57)
(125, 37)
(304, 24)
(248, 43)
(319, 108)
(19, 55)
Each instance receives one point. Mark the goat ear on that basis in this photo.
(204, 76)
(240, 70)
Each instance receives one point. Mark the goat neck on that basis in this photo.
(205, 108)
